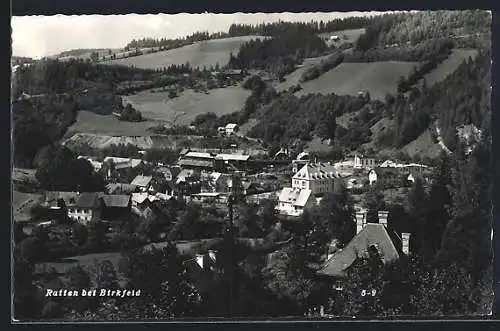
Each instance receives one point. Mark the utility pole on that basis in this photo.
(230, 244)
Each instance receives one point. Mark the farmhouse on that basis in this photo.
(197, 160)
(293, 201)
(85, 207)
(231, 128)
(142, 200)
(188, 182)
(116, 165)
(115, 206)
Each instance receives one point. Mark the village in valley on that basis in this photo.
(300, 204)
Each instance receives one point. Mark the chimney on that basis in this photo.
(360, 221)
(382, 217)
(212, 255)
(199, 260)
(405, 237)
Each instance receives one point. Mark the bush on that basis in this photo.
(130, 114)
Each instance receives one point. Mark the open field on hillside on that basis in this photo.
(294, 77)
(205, 53)
(424, 145)
(449, 65)
(351, 35)
(90, 122)
(22, 204)
(85, 54)
(378, 78)
(19, 174)
(18, 198)
(184, 108)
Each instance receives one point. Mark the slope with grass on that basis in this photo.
(183, 109)
(205, 53)
(89, 122)
(377, 78)
(294, 77)
(449, 65)
(424, 145)
(345, 36)
(22, 203)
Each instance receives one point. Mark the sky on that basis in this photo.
(38, 36)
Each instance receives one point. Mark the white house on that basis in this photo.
(293, 201)
(309, 181)
(85, 207)
(372, 177)
(231, 128)
(320, 178)
(363, 162)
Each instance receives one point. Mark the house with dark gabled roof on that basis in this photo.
(370, 237)
(142, 182)
(115, 205)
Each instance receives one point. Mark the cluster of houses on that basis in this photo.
(312, 179)
(206, 178)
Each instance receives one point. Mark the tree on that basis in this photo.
(287, 278)
(417, 208)
(249, 221)
(163, 280)
(437, 212)
(374, 202)
(328, 126)
(443, 291)
(79, 279)
(80, 233)
(363, 288)
(105, 275)
(466, 237)
(130, 114)
(94, 57)
(65, 172)
(26, 303)
(96, 239)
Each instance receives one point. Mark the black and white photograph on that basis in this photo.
(251, 166)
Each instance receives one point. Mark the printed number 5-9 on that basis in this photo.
(365, 293)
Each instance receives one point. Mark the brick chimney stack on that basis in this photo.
(360, 221)
(382, 217)
(405, 238)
